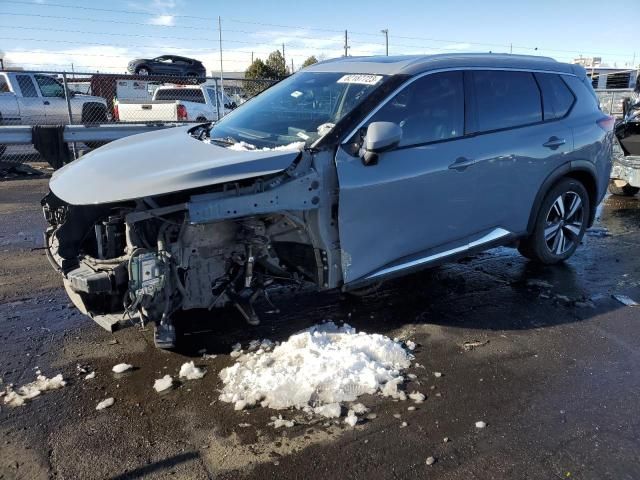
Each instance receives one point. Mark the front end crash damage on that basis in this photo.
(204, 248)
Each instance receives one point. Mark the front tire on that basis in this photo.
(142, 71)
(560, 225)
(624, 191)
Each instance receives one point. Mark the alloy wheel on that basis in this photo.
(564, 223)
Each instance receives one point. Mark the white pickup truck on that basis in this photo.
(177, 103)
(39, 99)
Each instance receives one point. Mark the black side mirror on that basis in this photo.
(380, 137)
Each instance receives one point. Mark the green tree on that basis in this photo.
(310, 61)
(276, 63)
(256, 73)
(258, 69)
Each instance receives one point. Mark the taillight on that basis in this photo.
(116, 114)
(606, 123)
(182, 112)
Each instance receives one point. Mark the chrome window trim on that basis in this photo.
(492, 236)
(430, 72)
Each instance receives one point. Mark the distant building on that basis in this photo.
(588, 62)
(232, 75)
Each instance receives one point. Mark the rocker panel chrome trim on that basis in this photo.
(492, 236)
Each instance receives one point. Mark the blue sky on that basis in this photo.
(104, 36)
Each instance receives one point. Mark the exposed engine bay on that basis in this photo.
(148, 258)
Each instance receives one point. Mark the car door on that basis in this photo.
(32, 107)
(417, 201)
(511, 150)
(162, 66)
(53, 98)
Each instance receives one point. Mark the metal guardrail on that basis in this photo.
(22, 134)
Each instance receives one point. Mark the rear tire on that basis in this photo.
(625, 191)
(560, 225)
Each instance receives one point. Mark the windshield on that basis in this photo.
(301, 108)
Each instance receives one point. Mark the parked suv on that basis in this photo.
(167, 65)
(348, 173)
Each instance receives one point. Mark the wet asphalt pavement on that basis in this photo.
(554, 373)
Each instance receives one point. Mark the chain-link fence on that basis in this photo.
(611, 100)
(63, 98)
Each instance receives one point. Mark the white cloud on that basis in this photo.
(163, 20)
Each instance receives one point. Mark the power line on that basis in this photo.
(95, 20)
(95, 9)
(505, 45)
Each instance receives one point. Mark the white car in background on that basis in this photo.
(173, 103)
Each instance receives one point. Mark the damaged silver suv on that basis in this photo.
(345, 174)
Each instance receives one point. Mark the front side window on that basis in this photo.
(428, 110)
(505, 99)
(301, 108)
(27, 87)
(556, 97)
(49, 87)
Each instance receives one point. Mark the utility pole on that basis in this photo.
(346, 43)
(251, 57)
(511, 48)
(220, 38)
(284, 59)
(386, 40)
(292, 66)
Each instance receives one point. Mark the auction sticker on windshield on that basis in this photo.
(361, 79)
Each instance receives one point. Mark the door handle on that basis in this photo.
(461, 163)
(46, 102)
(554, 142)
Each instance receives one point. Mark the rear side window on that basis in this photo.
(428, 110)
(27, 87)
(557, 99)
(505, 99)
(186, 94)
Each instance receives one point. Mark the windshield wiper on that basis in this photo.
(224, 140)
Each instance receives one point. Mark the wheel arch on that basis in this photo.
(580, 170)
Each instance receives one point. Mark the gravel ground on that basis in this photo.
(551, 369)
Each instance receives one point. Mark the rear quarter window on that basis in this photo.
(557, 98)
(505, 99)
(186, 94)
(4, 85)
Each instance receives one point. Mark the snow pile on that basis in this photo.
(190, 371)
(163, 383)
(330, 410)
(322, 365)
(106, 403)
(351, 418)
(417, 397)
(121, 368)
(278, 422)
(16, 398)
(247, 147)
